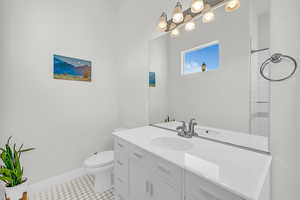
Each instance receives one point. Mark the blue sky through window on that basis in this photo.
(194, 59)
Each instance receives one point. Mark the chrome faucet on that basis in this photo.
(192, 125)
(189, 132)
(182, 130)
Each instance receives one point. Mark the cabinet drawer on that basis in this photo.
(168, 172)
(121, 168)
(120, 146)
(200, 195)
(139, 156)
(121, 188)
(120, 162)
(196, 186)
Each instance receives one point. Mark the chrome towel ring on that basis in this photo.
(277, 58)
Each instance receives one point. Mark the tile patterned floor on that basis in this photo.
(77, 189)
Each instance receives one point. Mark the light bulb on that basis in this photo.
(197, 6)
(163, 23)
(177, 14)
(178, 18)
(190, 26)
(175, 32)
(208, 17)
(232, 5)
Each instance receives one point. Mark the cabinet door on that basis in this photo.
(166, 181)
(197, 188)
(160, 190)
(139, 185)
(200, 196)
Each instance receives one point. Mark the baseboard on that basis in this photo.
(46, 184)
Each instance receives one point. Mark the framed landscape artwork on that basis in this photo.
(68, 68)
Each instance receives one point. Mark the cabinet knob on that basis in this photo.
(164, 169)
(120, 145)
(120, 163)
(138, 155)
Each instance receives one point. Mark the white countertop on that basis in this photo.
(257, 142)
(239, 171)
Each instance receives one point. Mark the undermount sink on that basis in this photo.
(171, 143)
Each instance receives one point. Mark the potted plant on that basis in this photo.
(11, 171)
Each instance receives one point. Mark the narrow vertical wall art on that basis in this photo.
(152, 80)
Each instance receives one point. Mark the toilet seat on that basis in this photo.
(101, 159)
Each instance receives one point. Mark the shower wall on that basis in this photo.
(260, 88)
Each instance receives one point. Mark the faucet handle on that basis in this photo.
(191, 124)
(192, 129)
(183, 124)
(194, 124)
(192, 120)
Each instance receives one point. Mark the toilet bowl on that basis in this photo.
(100, 165)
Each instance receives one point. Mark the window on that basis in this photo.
(200, 59)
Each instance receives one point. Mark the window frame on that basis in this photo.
(202, 46)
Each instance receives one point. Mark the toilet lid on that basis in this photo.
(100, 159)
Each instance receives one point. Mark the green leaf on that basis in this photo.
(11, 173)
(8, 140)
(20, 148)
(6, 180)
(25, 150)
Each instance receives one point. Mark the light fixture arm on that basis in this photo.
(212, 6)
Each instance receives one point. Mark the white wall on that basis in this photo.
(212, 96)
(64, 120)
(285, 38)
(158, 95)
(260, 88)
(32, 30)
(138, 27)
(264, 30)
(285, 106)
(138, 21)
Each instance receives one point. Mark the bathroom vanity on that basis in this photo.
(153, 163)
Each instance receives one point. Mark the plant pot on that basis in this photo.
(18, 192)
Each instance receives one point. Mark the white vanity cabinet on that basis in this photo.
(147, 177)
(197, 188)
(145, 172)
(139, 175)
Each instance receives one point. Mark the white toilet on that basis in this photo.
(100, 165)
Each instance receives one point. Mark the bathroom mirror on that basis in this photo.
(212, 74)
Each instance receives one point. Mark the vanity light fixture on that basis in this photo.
(232, 5)
(204, 8)
(190, 26)
(163, 22)
(178, 14)
(197, 6)
(189, 23)
(209, 16)
(175, 32)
